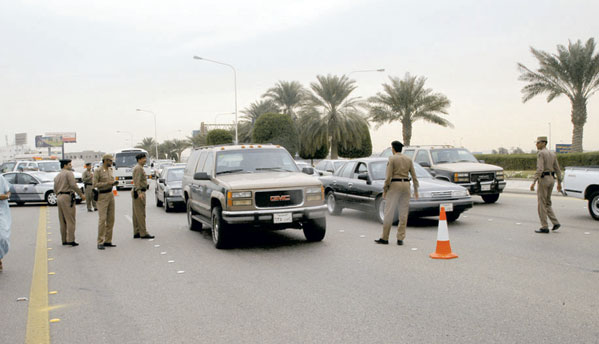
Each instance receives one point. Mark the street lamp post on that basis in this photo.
(130, 136)
(366, 71)
(235, 84)
(155, 136)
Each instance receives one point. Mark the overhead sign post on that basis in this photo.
(55, 140)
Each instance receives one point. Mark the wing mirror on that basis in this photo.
(161, 180)
(364, 176)
(201, 176)
(425, 164)
(308, 170)
(481, 161)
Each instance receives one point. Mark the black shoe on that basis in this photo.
(135, 236)
(556, 227)
(400, 242)
(95, 209)
(101, 247)
(109, 244)
(542, 230)
(147, 236)
(72, 243)
(65, 243)
(382, 241)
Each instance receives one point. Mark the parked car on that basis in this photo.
(303, 164)
(327, 167)
(358, 184)
(42, 166)
(583, 182)
(158, 165)
(168, 189)
(7, 166)
(34, 186)
(256, 186)
(459, 166)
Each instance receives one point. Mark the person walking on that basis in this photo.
(88, 182)
(548, 171)
(396, 192)
(5, 219)
(138, 198)
(104, 181)
(65, 188)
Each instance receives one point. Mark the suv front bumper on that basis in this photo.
(266, 215)
(484, 188)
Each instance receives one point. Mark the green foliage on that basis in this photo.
(276, 129)
(287, 96)
(198, 140)
(320, 152)
(218, 137)
(148, 144)
(518, 162)
(358, 149)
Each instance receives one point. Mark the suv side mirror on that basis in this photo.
(33, 182)
(161, 180)
(201, 176)
(425, 164)
(308, 170)
(364, 176)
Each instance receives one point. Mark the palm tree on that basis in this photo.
(573, 72)
(407, 101)
(287, 95)
(258, 108)
(178, 146)
(331, 116)
(198, 140)
(149, 145)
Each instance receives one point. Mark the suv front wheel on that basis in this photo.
(315, 230)
(490, 198)
(220, 229)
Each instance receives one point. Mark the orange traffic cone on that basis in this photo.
(114, 192)
(443, 250)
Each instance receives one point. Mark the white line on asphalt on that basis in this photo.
(129, 218)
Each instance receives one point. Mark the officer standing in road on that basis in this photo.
(396, 192)
(138, 198)
(65, 188)
(548, 171)
(104, 181)
(88, 181)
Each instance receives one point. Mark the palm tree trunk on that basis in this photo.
(406, 130)
(579, 118)
(334, 149)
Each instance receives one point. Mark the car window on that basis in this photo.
(329, 167)
(378, 170)
(49, 166)
(409, 153)
(25, 179)
(174, 174)
(422, 157)
(361, 168)
(11, 178)
(348, 170)
(442, 156)
(337, 164)
(320, 165)
(254, 161)
(209, 165)
(201, 161)
(191, 163)
(339, 171)
(386, 153)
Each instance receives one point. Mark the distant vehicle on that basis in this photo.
(124, 161)
(168, 189)
(304, 164)
(583, 182)
(7, 166)
(327, 167)
(34, 186)
(158, 165)
(42, 166)
(459, 166)
(358, 184)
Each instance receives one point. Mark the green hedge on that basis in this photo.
(518, 162)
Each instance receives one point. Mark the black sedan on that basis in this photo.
(168, 188)
(358, 184)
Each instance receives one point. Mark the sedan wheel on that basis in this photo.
(51, 198)
(594, 205)
(380, 210)
(332, 205)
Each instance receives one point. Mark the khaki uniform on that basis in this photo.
(65, 187)
(140, 185)
(88, 181)
(103, 180)
(398, 193)
(546, 162)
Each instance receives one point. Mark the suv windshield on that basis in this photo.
(49, 166)
(379, 169)
(174, 174)
(444, 156)
(125, 159)
(254, 160)
(7, 167)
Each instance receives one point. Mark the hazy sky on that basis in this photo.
(85, 66)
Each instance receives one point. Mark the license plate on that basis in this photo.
(485, 187)
(448, 206)
(282, 218)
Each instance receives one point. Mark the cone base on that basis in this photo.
(443, 256)
(443, 251)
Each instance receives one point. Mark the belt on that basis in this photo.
(88, 184)
(105, 191)
(400, 180)
(65, 193)
(547, 174)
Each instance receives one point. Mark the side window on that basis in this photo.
(361, 168)
(329, 167)
(422, 157)
(320, 165)
(191, 162)
(409, 153)
(348, 170)
(201, 161)
(25, 179)
(11, 178)
(209, 165)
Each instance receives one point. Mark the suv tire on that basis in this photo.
(158, 202)
(332, 204)
(594, 205)
(220, 229)
(453, 216)
(490, 198)
(192, 224)
(315, 230)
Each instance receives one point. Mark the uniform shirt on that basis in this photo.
(103, 178)
(65, 182)
(140, 181)
(547, 162)
(88, 177)
(398, 167)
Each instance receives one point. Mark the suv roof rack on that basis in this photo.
(431, 146)
(239, 144)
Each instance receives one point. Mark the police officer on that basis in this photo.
(396, 192)
(138, 198)
(65, 188)
(88, 181)
(104, 181)
(547, 173)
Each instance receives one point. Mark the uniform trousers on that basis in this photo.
(105, 217)
(89, 198)
(139, 214)
(66, 218)
(398, 197)
(544, 201)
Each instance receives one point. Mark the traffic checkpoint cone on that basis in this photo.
(443, 250)
(114, 192)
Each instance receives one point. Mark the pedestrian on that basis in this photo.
(5, 220)
(548, 171)
(65, 188)
(396, 192)
(138, 198)
(104, 181)
(88, 182)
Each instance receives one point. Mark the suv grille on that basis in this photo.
(279, 198)
(482, 177)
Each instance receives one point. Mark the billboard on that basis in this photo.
(66, 137)
(563, 148)
(47, 141)
(21, 139)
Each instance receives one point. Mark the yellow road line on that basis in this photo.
(38, 328)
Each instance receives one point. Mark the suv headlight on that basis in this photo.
(242, 194)
(174, 192)
(461, 177)
(499, 175)
(239, 198)
(315, 193)
(460, 193)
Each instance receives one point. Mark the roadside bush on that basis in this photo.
(517, 162)
(358, 149)
(278, 129)
(218, 137)
(320, 153)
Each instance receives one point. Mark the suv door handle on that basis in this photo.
(350, 184)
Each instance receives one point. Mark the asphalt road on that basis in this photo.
(509, 285)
